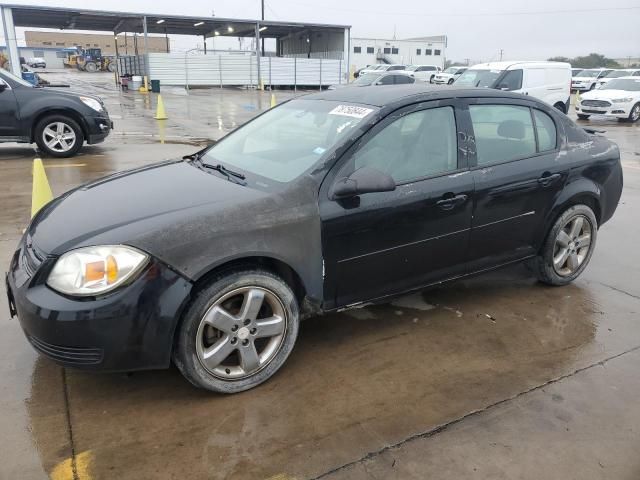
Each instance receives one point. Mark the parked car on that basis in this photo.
(588, 79)
(547, 81)
(449, 75)
(383, 67)
(619, 98)
(37, 62)
(575, 72)
(323, 203)
(425, 73)
(626, 72)
(374, 79)
(59, 122)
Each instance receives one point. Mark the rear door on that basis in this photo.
(9, 113)
(518, 172)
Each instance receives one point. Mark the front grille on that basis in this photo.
(584, 110)
(596, 103)
(69, 355)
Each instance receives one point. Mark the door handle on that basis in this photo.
(547, 179)
(449, 202)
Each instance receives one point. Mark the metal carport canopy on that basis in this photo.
(63, 18)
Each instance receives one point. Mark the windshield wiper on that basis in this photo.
(224, 170)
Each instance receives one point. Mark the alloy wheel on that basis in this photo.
(572, 245)
(59, 137)
(241, 333)
(635, 113)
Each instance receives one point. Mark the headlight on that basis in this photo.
(95, 270)
(622, 100)
(92, 103)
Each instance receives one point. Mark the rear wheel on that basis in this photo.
(238, 331)
(568, 247)
(111, 67)
(59, 136)
(582, 116)
(450, 81)
(91, 67)
(560, 106)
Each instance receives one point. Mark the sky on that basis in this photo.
(475, 30)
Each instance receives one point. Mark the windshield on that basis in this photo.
(478, 78)
(451, 70)
(617, 74)
(366, 79)
(629, 84)
(5, 74)
(285, 142)
(412, 68)
(589, 73)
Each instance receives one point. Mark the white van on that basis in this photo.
(547, 81)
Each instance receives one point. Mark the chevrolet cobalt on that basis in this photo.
(322, 203)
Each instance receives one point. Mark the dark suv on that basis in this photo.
(58, 121)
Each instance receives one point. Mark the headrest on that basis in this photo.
(511, 129)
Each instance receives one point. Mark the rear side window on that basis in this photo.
(502, 133)
(546, 130)
(403, 79)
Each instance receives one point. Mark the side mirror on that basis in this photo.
(363, 180)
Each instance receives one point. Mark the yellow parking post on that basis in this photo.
(41, 193)
(160, 113)
(273, 100)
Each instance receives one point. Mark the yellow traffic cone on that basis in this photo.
(41, 193)
(160, 113)
(273, 100)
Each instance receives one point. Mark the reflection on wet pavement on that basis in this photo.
(357, 382)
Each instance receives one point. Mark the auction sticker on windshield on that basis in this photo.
(351, 111)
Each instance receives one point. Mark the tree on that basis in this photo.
(593, 60)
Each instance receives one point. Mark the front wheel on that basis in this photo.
(238, 331)
(59, 136)
(568, 247)
(634, 115)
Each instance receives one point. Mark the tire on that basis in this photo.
(111, 67)
(560, 107)
(54, 124)
(450, 82)
(233, 331)
(90, 67)
(593, 85)
(431, 78)
(582, 116)
(634, 115)
(577, 222)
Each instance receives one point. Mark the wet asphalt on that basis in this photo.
(492, 377)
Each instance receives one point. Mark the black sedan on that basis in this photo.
(325, 202)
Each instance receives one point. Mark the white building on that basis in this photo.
(423, 50)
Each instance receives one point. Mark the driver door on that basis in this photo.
(9, 114)
(382, 243)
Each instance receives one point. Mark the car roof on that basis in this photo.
(383, 95)
(506, 64)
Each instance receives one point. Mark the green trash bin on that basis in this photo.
(155, 86)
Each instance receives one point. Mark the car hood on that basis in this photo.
(135, 206)
(609, 94)
(67, 93)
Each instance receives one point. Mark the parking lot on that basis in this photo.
(492, 377)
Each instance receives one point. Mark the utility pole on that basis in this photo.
(262, 17)
(501, 52)
(467, 60)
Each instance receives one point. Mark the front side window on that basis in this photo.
(546, 130)
(386, 80)
(502, 133)
(288, 140)
(478, 78)
(512, 80)
(399, 79)
(417, 145)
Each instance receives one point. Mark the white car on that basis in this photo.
(382, 67)
(618, 98)
(588, 78)
(449, 75)
(548, 81)
(424, 73)
(626, 72)
(37, 62)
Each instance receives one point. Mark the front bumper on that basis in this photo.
(621, 110)
(441, 81)
(128, 329)
(98, 128)
(581, 87)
